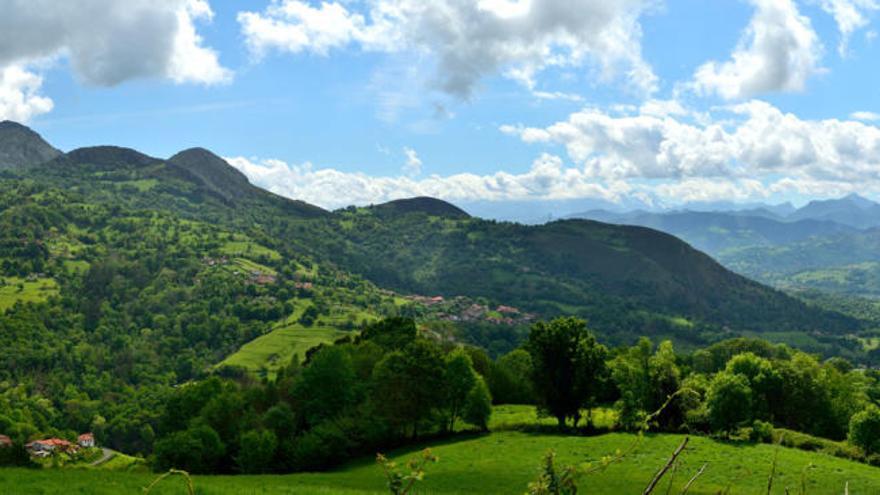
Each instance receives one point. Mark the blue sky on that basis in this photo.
(632, 103)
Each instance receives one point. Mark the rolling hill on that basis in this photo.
(626, 280)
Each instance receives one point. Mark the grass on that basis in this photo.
(277, 348)
(17, 289)
(504, 463)
(248, 249)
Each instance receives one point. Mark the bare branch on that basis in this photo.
(669, 463)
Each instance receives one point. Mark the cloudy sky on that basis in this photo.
(657, 102)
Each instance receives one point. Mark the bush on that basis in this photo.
(864, 430)
(320, 448)
(761, 432)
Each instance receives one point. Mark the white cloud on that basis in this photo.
(19, 98)
(413, 165)
(107, 42)
(850, 15)
(468, 40)
(548, 178)
(752, 140)
(779, 51)
(865, 116)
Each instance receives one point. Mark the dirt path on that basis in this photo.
(107, 454)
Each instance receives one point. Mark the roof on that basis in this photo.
(87, 436)
(54, 442)
(5, 440)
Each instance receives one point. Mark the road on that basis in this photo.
(106, 455)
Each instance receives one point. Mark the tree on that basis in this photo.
(478, 405)
(256, 451)
(406, 385)
(511, 379)
(459, 378)
(631, 373)
(567, 367)
(391, 333)
(197, 450)
(325, 388)
(864, 430)
(729, 401)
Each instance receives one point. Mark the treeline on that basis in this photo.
(383, 388)
(390, 386)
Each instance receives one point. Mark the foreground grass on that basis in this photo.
(504, 463)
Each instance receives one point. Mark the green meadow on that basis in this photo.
(14, 289)
(504, 463)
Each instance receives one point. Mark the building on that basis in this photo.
(5, 441)
(86, 440)
(47, 447)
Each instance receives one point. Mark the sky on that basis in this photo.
(630, 103)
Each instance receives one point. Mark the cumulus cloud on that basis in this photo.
(19, 98)
(468, 40)
(107, 42)
(548, 178)
(865, 116)
(752, 140)
(778, 51)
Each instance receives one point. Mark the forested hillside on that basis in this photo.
(125, 277)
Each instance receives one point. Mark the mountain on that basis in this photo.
(214, 173)
(845, 263)
(428, 206)
(717, 232)
(21, 147)
(626, 280)
(853, 210)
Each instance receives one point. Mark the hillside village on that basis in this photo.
(46, 447)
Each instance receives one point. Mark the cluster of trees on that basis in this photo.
(387, 386)
(717, 390)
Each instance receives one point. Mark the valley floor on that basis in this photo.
(504, 463)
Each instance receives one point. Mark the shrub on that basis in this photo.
(864, 430)
(761, 432)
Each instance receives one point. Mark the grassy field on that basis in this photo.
(504, 463)
(18, 289)
(276, 348)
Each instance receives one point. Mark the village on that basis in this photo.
(465, 310)
(39, 449)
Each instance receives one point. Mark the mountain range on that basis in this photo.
(626, 280)
(830, 245)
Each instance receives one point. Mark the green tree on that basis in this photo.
(459, 378)
(568, 367)
(729, 401)
(197, 450)
(256, 451)
(325, 388)
(864, 430)
(406, 385)
(511, 379)
(478, 405)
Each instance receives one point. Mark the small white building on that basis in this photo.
(86, 440)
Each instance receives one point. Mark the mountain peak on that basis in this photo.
(423, 204)
(21, 147)
(213, 172)
(859, 200)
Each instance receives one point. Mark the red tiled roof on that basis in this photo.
(86, 436)
(4, 440)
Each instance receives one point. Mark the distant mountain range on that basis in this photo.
(832, 245)
(627, 281)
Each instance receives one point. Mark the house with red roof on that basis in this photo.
(5, 441)
(86, 440)
(47, 447)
